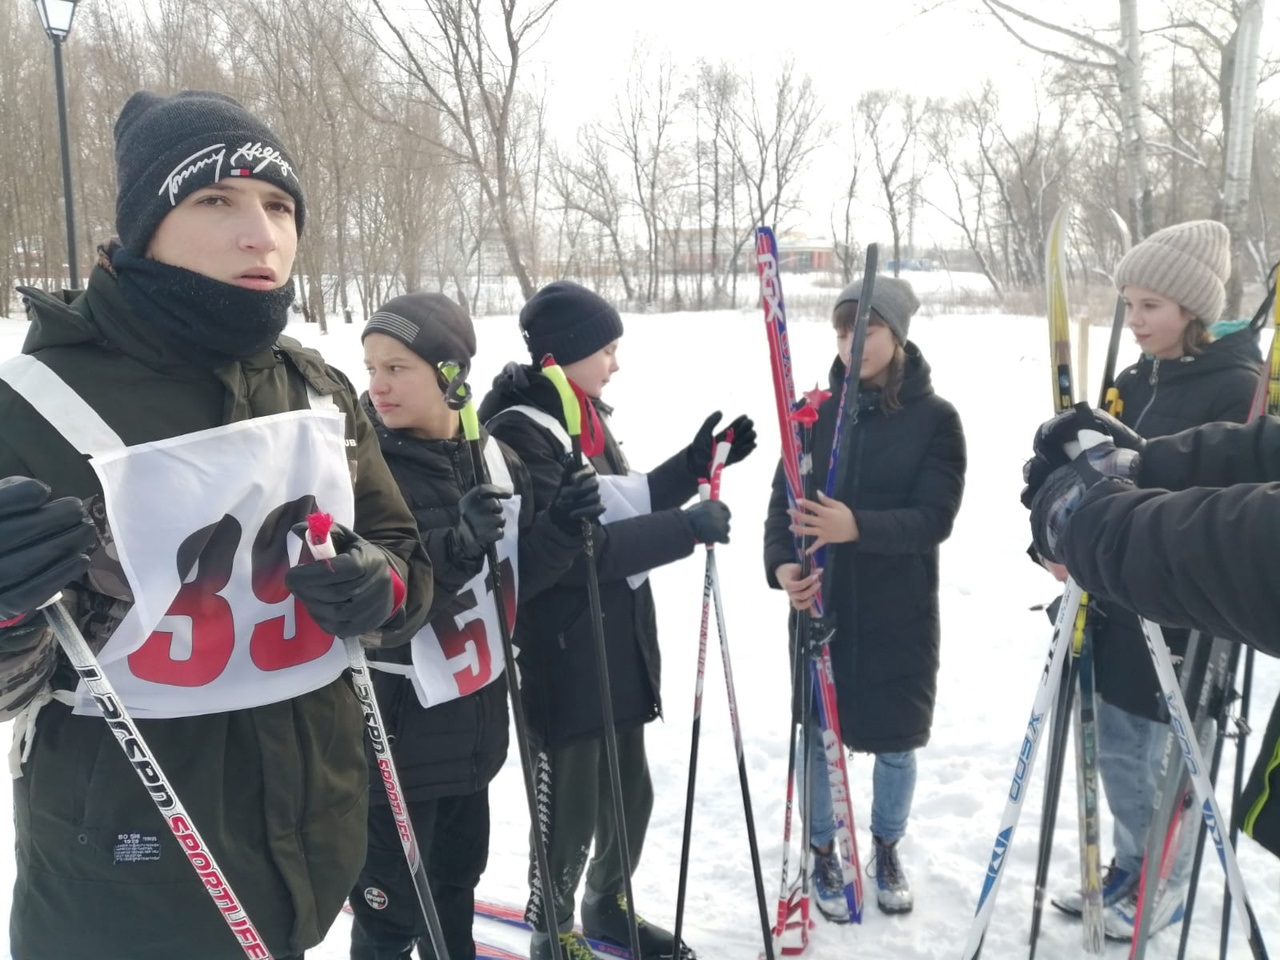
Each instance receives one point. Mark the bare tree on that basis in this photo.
(640, 133)
(847, 250)
(946, 132)
(589, 187)
(1222, 37)
(890, 120)
(470, 76)
(1121, 61)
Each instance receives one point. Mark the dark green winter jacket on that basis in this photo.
(279, 792)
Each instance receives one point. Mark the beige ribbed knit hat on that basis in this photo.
(1189, 263)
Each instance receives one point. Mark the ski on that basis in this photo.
(1024, 764)
(513, 916)
(1204, 671)
(798, 471)
(1209, 809)
(489, 951)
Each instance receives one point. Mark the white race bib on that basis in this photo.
(460, 651)
(202, 526)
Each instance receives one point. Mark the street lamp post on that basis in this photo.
(56, 17)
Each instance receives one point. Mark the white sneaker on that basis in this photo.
(1120, 918)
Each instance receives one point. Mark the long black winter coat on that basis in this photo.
(1161, 398)
(904, 485)
(457, 747)
(554, 630)
(1202, 557)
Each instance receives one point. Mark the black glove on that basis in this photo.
(704, 443)
(1060, 440)
(1060, 494)
(44, 544)
(710, 521)
(349, 595)
(480, 521)
(577, 499)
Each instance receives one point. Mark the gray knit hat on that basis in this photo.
(892, 299)
(1189, 263)
(429, 324)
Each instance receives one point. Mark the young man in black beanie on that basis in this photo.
(644, 527)
(184, 438)
(443, 696)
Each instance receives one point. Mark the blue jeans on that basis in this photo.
(1130, 751)
(893, 783)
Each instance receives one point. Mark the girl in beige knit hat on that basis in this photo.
(1173, 286)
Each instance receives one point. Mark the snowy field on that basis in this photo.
(675, 369)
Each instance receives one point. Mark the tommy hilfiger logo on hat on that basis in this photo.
(216, 154)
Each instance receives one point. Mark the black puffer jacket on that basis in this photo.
(904, 485)
(1162, 398)
(456, 747)
(1202, 557)
(554, 630)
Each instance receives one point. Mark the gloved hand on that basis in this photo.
(710, 521)
(1060, 494)
(349, 595)
(704, 443)
(44, 544)
(480, 521)
(577, 499)
(1060, 440)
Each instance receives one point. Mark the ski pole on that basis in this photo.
(1054, 765)
(1179, 720)
(1214, 765)
(158, 787)
(1023, 767)
(1242, 734)
(459, 392)
(752, 843)
(321, 545)
(573, 424)
(708, 489)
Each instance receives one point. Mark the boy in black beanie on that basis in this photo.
(184, 438)
(444, 694)
(644, 527)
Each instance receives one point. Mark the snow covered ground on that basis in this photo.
(675, 369)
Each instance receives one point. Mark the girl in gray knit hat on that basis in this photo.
(1173, 286)
(884, 527)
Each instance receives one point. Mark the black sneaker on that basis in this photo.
(607, 919)
(572, 947)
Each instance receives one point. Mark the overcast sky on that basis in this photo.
(847, 46)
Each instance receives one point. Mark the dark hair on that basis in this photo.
(842, 318)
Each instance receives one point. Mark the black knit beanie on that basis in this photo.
(429, 324)
(167, 147)
(568, 321)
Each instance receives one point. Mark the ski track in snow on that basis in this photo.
(676, 368)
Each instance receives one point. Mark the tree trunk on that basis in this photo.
(1237, 166)
(1134, 143)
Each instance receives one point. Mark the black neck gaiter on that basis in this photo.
(206, 322)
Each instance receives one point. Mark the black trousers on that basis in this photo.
(575, 810)
(453, 834)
